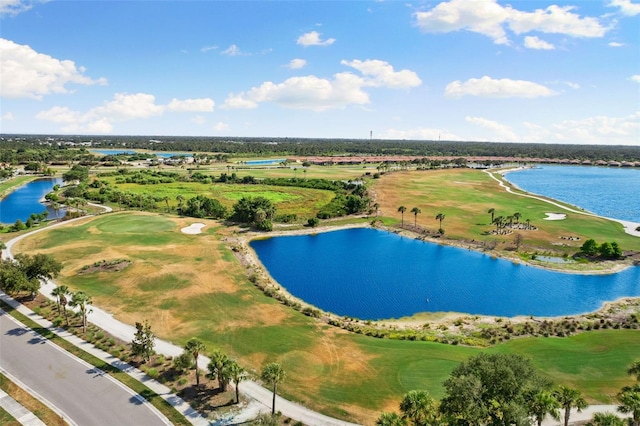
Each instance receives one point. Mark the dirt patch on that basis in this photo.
(105, 266)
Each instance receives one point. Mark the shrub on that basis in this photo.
(153, 373)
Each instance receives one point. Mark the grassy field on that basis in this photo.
(464, 196)
(192, 285)
(288, 200)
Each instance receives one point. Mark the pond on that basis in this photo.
(24, 201)
(264, 162)
(371, 274)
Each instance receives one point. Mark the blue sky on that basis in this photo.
(484, 70)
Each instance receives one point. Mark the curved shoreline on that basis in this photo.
(249, 257)
(628, 226)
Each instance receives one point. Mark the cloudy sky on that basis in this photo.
(486, 70)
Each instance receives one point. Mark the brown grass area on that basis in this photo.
(43, 412)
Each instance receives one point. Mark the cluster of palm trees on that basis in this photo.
(502, 222)
(225, 370)
(78, 299)
(416, 211)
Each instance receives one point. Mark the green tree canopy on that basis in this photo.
(491, 389)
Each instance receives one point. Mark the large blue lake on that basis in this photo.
(24, 201)
(372, 274)
(612, 192)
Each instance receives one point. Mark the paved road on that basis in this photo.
(85, 396)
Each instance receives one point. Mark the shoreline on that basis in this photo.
(249, 258)
(629, 227)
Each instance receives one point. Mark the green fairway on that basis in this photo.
(303, 202)
(465, 196)
(193, 286)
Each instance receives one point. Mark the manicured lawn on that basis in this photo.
(192, 285)
(464, 196)
(303, 202)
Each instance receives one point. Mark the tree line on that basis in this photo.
(25, 148)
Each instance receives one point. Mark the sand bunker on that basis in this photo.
(195, 228)
(555, 216)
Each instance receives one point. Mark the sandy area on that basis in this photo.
(194, 228)
(555, 216)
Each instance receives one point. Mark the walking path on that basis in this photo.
(17, 411)
(261, 397)
(629, 227)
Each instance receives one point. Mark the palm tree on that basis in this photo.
(418, 407)
(402, 209)
(194, 346)
(166, 201)
(376, 206)
(390, 419)
(237, 374)
(219, 368)
(273, 374)
(541, 404)
(60, 293)
(605, 419)
(629, 399)
(180, 199)
(634, 369)
(415, 212)
(517, 217)
(81, 300)
(569, 398)
(492, 212)
(499, 222)
(440, 217)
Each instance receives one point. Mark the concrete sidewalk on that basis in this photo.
(17, 411)
(164, 392)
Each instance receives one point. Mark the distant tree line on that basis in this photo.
(43, 148)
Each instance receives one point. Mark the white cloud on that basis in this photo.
(555, 20)
(626, 7)
(13, 7)
(493, 88)
(191, 105)
(313, 39)
(599, 130)
(615, 44)
(319, 94)
(479, 16)
(309, 92)
(502, 131)
(127, 106)
(383, 74)
(491, 19)
(123, 107)
(206, 49)
(296, 64)
(221, 127)
(533, 42)
(7, 116)
(420, 134)
(635, 78)
(233, 50)
(29, 74)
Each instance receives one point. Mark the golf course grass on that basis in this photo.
(193, 286)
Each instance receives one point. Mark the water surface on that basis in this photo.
(606, 191)
(25, 200)
(372, 274)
